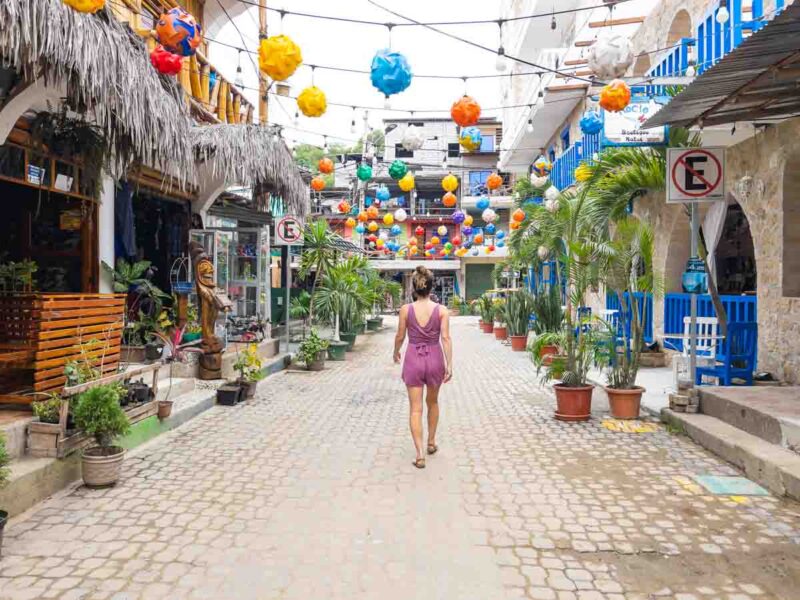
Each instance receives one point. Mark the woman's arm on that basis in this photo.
(400, 337)
(447, 345)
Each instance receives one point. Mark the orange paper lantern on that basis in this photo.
(412, 241)
(478, 239)
(325, 166)
(615, 96)
(318, 184)
(435, 240)
(363, 217)
(518, 215)
(344, 207)
(513, 225)
(494, 181)
(466, 111)
(351, 222)
(372, 212)
(449, 199)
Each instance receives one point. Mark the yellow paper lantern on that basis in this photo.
(312, 102)
(407, 182)
(279, 57)
(373, 226)
(450, 183)
(468, 220)
(388, 219)
(379, 243)
(86, 6)
(435, 240)
(583, 173)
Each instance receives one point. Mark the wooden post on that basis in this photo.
(222, 101)
(204, 83)
(237, 108)
(194, 78)
(263, 114)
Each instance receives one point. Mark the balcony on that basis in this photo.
(563, 173)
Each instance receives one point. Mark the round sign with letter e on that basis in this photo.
(695, 175)
(289, 232)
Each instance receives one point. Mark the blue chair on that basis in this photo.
(737, 358)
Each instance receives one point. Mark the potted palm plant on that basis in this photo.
(381, 292)
(99, 414)
(519, 307)
(312, 351)
(548, 319)
(499, 318)
(4, 474)
(337, 299)
(486, 310)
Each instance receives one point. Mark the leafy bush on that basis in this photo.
(48, 411)
(519, 307)
(310, 347)
(4, 461)
(248, 363)
(486, 308)
(547, 310)
(99, 414)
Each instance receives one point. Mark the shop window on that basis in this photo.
(565, 139)
(487, 143)
(477, 182)
(453, 150)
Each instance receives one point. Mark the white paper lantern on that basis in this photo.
(537, 180)
(551, 205)
(552, 193)
(384, 234)
(489, 216)
(610, 56)
(542, 252)
(413, 138)
(400, 215)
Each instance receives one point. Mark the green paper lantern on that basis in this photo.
(398, 169)
(364, 172)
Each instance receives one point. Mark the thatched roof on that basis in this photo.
(249, 155)
(105, 67)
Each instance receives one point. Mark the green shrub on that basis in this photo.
(48, 411)
(99, 414)
(311, 346)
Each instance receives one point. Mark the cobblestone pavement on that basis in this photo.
(308, 492)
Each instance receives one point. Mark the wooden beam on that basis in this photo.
(581, 73)
(575, 63)
(583, 43)
(613, 22)
(567, 88)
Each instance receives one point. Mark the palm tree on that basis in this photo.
(340, 297)
(318, 255)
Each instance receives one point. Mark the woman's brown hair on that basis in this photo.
(422, 282)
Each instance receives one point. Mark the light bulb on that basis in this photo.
(239, 80)
(353, 126)
(690, 70)
(723, 15)
(530, 126)
(444, 163)
(501, 64)
(387, 103)
(296, 119)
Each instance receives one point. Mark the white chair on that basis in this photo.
(707, 337)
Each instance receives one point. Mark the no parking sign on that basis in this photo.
(695, 174)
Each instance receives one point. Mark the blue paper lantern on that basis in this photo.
(383, 193)
(458, 217)
(501, 234)
(483, 204)
(467, 245)
(390, 72)
(400, 201)
(591, 122)
(395, 230)
(500, 244)
(490, 228)
(354, 210)
(360, 228)
(470, 139)
(466, 230)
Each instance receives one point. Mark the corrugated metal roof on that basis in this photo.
(756, 81)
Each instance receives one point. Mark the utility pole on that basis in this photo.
(263, 114)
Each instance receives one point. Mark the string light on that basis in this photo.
(501, 64)
(722, 14)
(297, 118)
(353, 121)
(690, 70)
(239, 80)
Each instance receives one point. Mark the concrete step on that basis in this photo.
(770, 413)
(775, 468)
(16, 435)
(174, 387)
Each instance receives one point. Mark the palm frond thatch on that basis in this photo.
(248, 155)
(104, 67)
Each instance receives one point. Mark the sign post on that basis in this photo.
(288, 232)
(695, 175)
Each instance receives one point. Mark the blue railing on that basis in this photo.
(739, 309)
(645, 306)
(563, 173)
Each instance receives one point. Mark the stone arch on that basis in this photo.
(680, 28)
(642, 65)
(790, 263)
(25, 97)
(735, 262)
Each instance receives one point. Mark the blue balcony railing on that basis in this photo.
(563, 173)
(739, 309)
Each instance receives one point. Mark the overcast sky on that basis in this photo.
(353, 46)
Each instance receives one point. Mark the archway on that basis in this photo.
(642, 65)
(734, 256)
(790, 277)
(680, 28)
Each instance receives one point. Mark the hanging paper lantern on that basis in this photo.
(513, 226)
(494, 181)
(178, 32)
(518, 215)
(475, 252)
(538, 181)
(457, 217)
(354, 210)
(412, 251)
(591, 122)
(360, 228)
(468, 220)
(343, 206)
(363, 216)
(325, 165)
(86, 6)
(500, 235)
(372, 212)
(442, 230)
(542, 166)
(372, 237)
(312, 102)
(583, 173)
(413, 138)
(428, 245)
(379, 243)
(483, 203)
(318, 183)
(489, 249)
(490, 228)
(165, 62)
(501, 244)
(552, 193)
(456, 241)
(398, 170)
(449, 200)
(450, 183)
(412, 241)
(610, 56)
(390, 72)
(419, 231)
(466, 230)
(488, 215)
(542, 252)
(465, 111)
(400, 215)
(615, 96)
(383, 194)
(350, 222)
(373, 226)
(448, 246)
(407, 182)
(470, 139)
(279, 57)
(478, 239)
(435, 240)
(395, 230)
(388, 219)
(364, 172)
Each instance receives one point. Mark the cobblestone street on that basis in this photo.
(309, 492)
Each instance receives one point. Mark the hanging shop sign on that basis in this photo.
(624, 128)
(695, 175)
(289, 231)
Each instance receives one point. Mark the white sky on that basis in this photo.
(353, 46)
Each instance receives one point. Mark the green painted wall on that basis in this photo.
(478, 279)
(143, 431)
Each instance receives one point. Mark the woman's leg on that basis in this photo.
(432, 399)
(415, 417)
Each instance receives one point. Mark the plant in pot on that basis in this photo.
(300, 308)
(486, 309)
(98, 414)
(248, 364)
(192, 330)
(548, 319)
(338, 300)
(45, 429)
(519, 307)
(4, 475)
(381, 293)
(499, 319)
(628, 274)
(312, 351)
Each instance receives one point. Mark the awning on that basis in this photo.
(756, 81)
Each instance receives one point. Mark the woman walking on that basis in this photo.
(429, 358)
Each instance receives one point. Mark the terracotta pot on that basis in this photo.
(101, 466)
(500, 333)
(164, 409)
(546, 353)
(487, 327)
(519, 343)
(625, 404)
(574, 403)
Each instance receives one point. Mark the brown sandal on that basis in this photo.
(433, 448)
(419, 463)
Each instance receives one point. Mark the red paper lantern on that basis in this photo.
(466, 111)
(518, 215)
(494, 181)
(325, 166)
(456, 241)
(372, 237)
(449, 200)
(419, 231)
(165, 62)
(428, 246)
(344, 207)
(318, 184)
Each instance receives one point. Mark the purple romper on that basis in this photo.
(424, 362)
